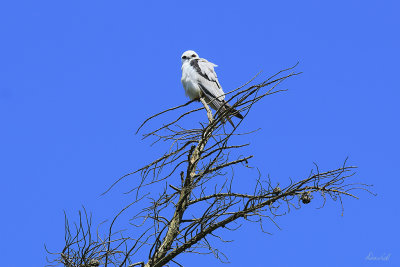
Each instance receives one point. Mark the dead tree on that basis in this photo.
(188, 193)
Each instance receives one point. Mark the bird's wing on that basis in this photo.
(208, 81)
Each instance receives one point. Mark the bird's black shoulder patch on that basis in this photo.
(195, 64)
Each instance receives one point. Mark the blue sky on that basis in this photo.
(75, 81)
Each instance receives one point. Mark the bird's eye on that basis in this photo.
(184, 57)
(194, 55)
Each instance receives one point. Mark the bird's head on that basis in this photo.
(188, 55)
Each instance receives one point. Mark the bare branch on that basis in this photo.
(186, 194)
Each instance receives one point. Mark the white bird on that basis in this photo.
(200, 80)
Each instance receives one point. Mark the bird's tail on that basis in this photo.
(233, 112)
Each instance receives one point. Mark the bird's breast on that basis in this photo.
(189, 82)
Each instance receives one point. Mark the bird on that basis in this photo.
(200, 80)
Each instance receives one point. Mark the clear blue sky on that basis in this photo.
(75, 81)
